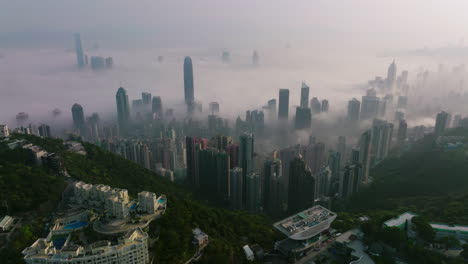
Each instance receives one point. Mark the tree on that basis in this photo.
(423, 228)
(449, 242)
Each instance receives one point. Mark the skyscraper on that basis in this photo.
(252, 204)
(401, 135)
(315, 105)
(188, 81)
(146, 97)
(272, 186)
(79, 51)
(365, 145)
(246, 158)
(302, 186)
(354, 107)
(283, 108)
(78, 118)
(391, 75)
(350, 182)
(303, 118)
(272, 109)
(304, 95)
(236, 189)
(214, 172)
(44, 130)
(255, 58)
(123, 109)
(370, 105)
(156, 106)
(441, 123)
(382, 133)
(325, 106)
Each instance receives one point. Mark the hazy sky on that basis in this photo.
(333, 46)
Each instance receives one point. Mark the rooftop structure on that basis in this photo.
(6, 223)
(307, 223)
(131, 248)
(199, 238)
(400, 220)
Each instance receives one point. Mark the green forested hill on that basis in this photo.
(429, 179)
(227, 230)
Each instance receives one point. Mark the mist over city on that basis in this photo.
(215, 131)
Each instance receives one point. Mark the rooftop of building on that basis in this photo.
(305, 220)
(447, 227)
(399, 220)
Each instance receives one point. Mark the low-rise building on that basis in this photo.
(131, 248)
(6, 223)
(200, 239)
(4, 131)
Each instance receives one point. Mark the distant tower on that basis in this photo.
(441, 123)
(246, 158)
(255, 58)
(283, 108)
(304, 95)
(401, 135)
(325, 106)
(354, 107)
(80, 58)
(123, 108)
(156, 106)
(188, 81)
(315, 106)
(391, 75)
(78, 117)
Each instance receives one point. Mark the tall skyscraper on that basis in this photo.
(233, 151)
(214, 172)
(252, 204)
(283, 108)
(80, 58)
(44, 130)
(382, 133)
(192, 146)
(365, 145)
(391, 75)
(401, 135)
(304, 95)
(78, 118)
(123, 109)
(350, 182)
(246, 158)
(441, 123)
(156, 106)
(354, 107)
(315, 105)
(302, 186)
(456, 121)
(272, 109)
(303, 118)
(325, 106)
(370, 105)
(341, 148)
(272, 186)
(188, 81)
(334, 163)
(146, 98)
(236, 189)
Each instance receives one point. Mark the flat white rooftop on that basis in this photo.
(456, 228)
(307, 223)
(399, 220)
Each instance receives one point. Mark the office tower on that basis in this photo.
(188, 81)
(448, 123)
(350, 182)
(157, 107)
(324, 182)
(225, 57)
(383, 107)
(399, 116)
(44, 130)
(109, 61)
(214, 172)
(355, 155)
(255, 121)
(246, 158)
(382, 133)
(365, 145)
(286, 155)
(401, 135)
(255, 58)
(341, 148)
(78, 118)
(98, 63)
(79, 51)
(123, 109)
(272, 109)
(456, 121)
(315, 106)
(221, 142)
(192, 145)
(236, 189)
(402, 102)
(214, 108)
(304, 96)
(441, 123)
(334, 163)
(283, 108)
(391, 75)
(253, 194)
(314, 157)
(272, 187)
(146, 98)
(370, 105)
(301, 193)
(303, 118)
(233, 151)
(93, 126)
(325, 106)
(137, 107)
(354, 107)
